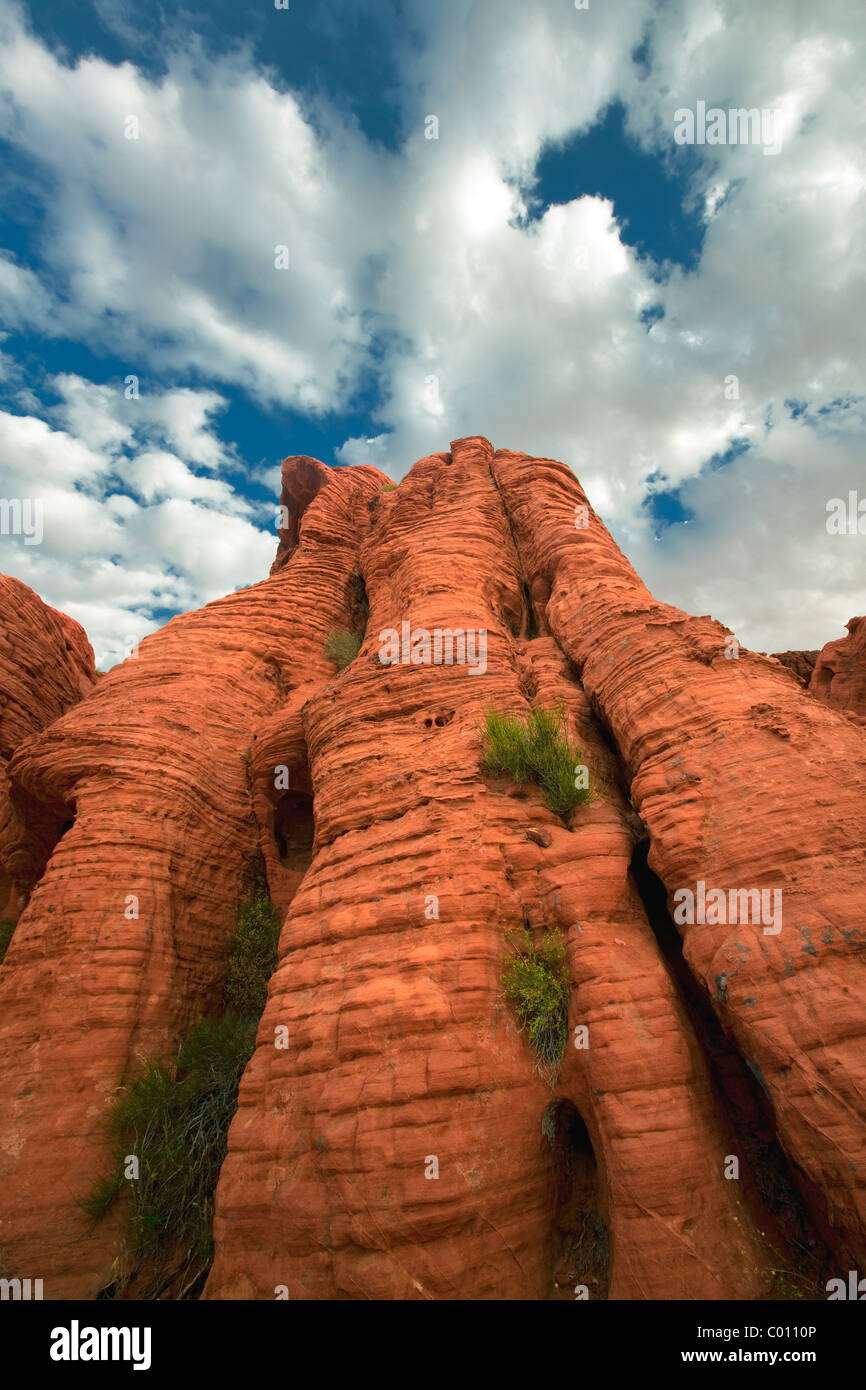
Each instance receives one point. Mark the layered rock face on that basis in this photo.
(839, 677)
(402, 1056)
(743, 784)
(46, 665)
(125, 938)
(801, 663)
(394, 1137)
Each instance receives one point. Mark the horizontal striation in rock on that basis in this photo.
(744, 781)
(46, 665)
(839, 677)
(801, 663)
(403, 1143)
(401, 1047)
(125, 939)
(401, 1051)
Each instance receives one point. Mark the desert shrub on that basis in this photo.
(342, 647)
(253, 957)
(536, 748)
(388, 487)
(506, 746)
(788, 1285)
(7, 927)
(175, 1119)
(536, 982)
(590, 1249)
(344, 643)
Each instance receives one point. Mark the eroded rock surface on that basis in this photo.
(402, 1051)
(839, 677)
(394, 1137)
(124, 941)
(743, 782)
(801, 663)
(46, 665)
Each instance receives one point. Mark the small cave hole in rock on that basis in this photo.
(514, 623)
(294, 832)
(581, 1246)
(294, 829)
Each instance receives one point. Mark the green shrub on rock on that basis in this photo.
(536, 748)
(173, 1119)
(536, 982)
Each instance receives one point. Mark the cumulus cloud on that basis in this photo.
(531, 332)
(24, 302)
(169, 201)
(128, 530)
(431, 270)
(109, 417)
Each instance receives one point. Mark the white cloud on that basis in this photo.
(110, 559)
(757, 551)
(108, 417)
(24, 303)
(535, 335)
(162, 249)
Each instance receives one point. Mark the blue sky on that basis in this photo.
(681, 324)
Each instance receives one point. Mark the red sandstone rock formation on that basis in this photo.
(743, 782)
(404, 1144)
(125, 938)
(46, 665)
(402, 1050)
(839, 677)
(801, 663)
(301, 482)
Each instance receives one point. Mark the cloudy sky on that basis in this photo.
(488, 227)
